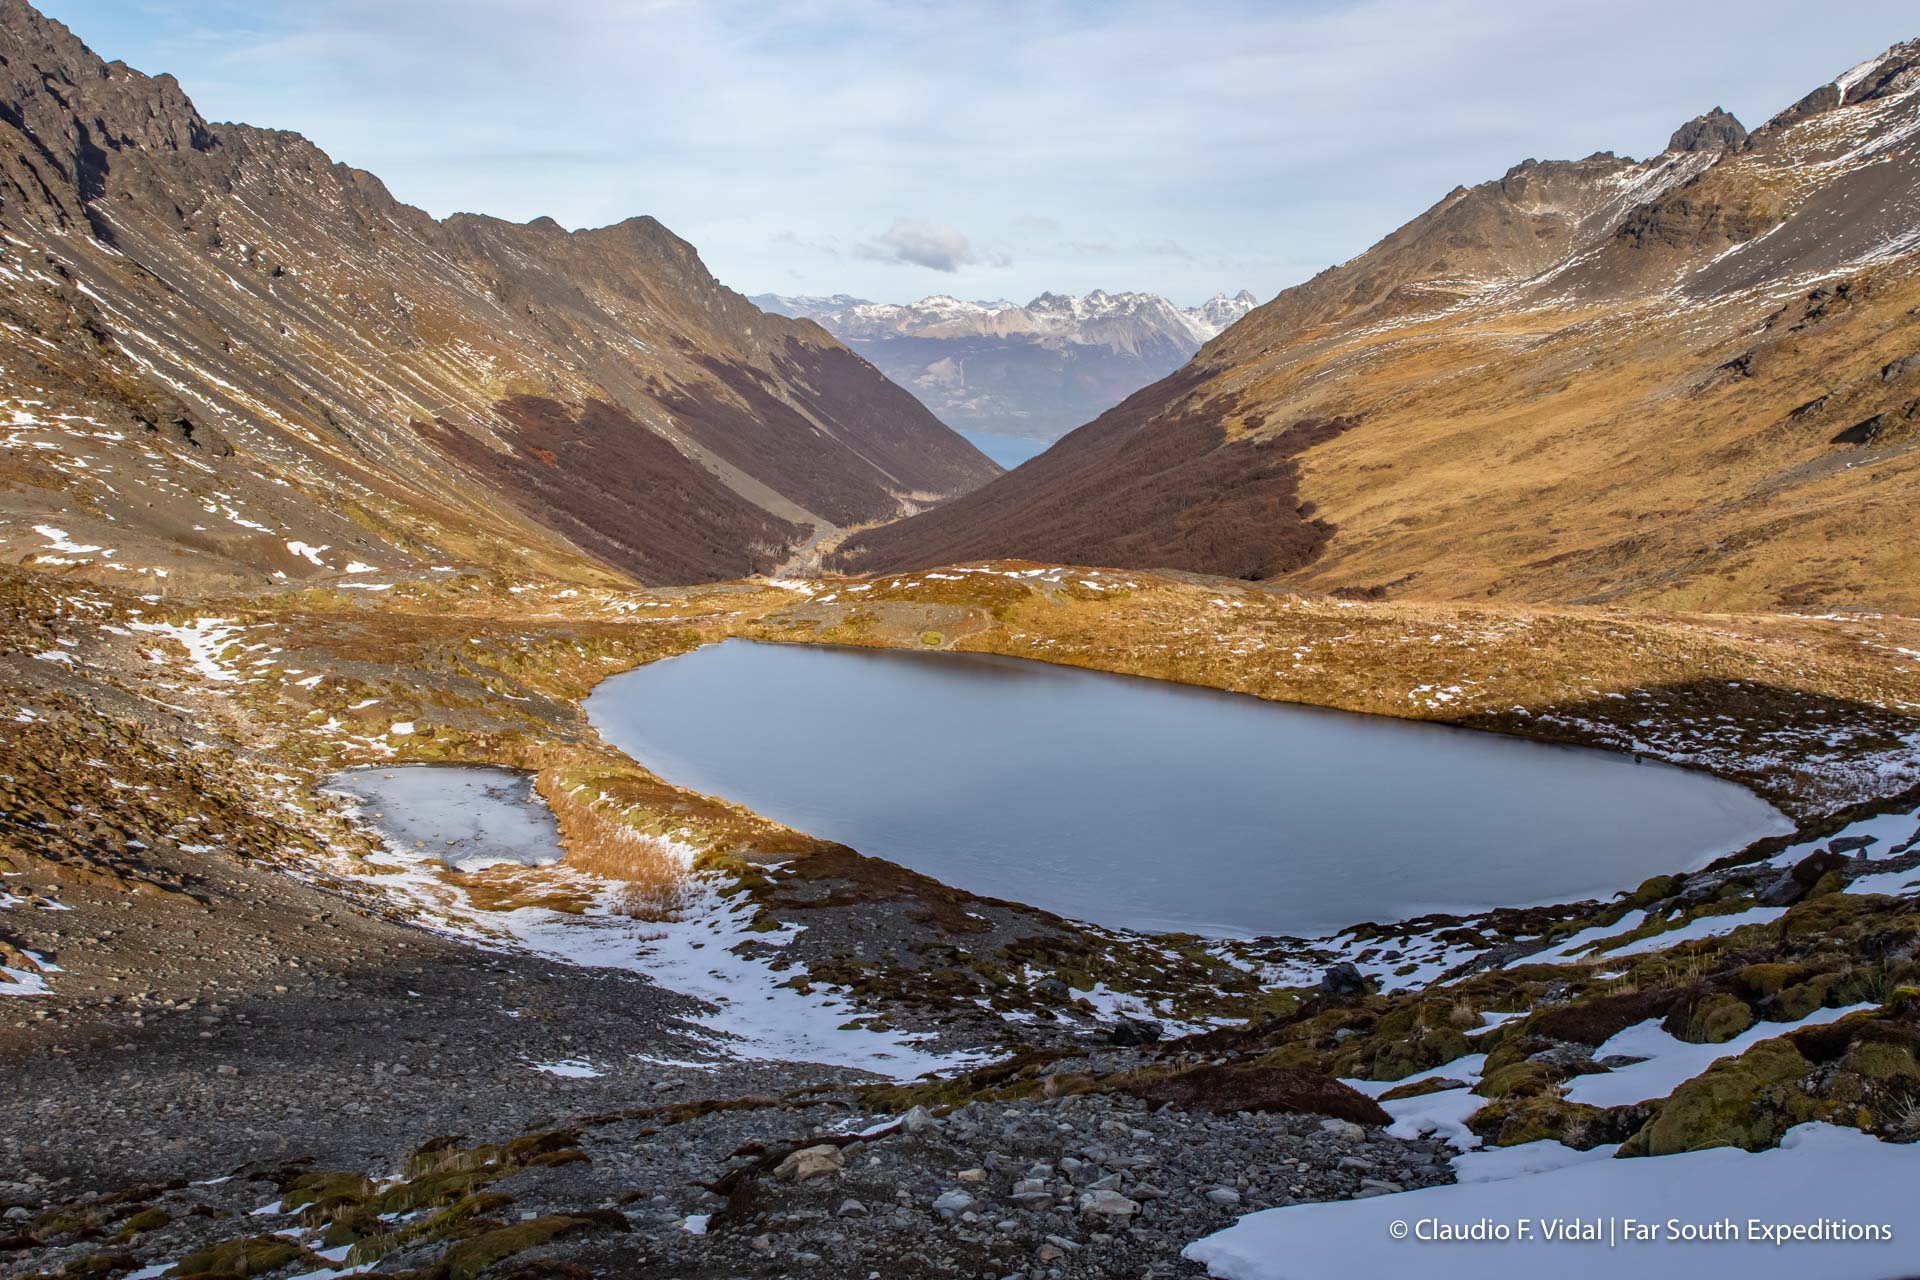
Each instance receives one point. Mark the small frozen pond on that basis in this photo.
(1148, 805)
(468, 816)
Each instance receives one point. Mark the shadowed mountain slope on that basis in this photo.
(221, 347)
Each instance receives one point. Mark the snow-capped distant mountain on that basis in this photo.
(1036, 370)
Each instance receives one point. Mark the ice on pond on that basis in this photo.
(468, 816)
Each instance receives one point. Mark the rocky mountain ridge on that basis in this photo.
(1675, 380)
(230, 356)
(1036, 369)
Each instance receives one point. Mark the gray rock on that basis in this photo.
(951, 1204)
(1134, 1031)
(1782, 891)
(1794, 883)
(1565, 1056)
(1107, 1206)
(1343, 979)
(1225, 1197)
(1716, 130)
(812, 1162)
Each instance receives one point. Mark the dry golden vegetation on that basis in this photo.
(652, 871)
(1663, 454)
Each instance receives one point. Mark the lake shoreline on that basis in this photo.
(1256, 783)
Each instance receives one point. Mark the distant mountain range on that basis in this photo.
(1692, 380)
(1037, 370)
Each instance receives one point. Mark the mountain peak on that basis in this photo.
(1716, 130)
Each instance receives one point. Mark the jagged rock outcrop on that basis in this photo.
(1717, 130)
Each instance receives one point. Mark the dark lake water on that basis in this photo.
(1147, 805)
(1008, 451)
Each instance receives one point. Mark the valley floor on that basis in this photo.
(246, 1032)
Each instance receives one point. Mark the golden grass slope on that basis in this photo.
(1659, 454)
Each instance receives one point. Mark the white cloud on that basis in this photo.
(917, 242)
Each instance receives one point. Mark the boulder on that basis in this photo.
(1573, 1059)
(811, 1162)
(1107, 1207)
(1705, 886)
(1134, 1031)
(1795, 883)
(951, 1204)
(1345, 1130)
(1343, 980)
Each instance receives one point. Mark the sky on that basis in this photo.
(982, 148)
